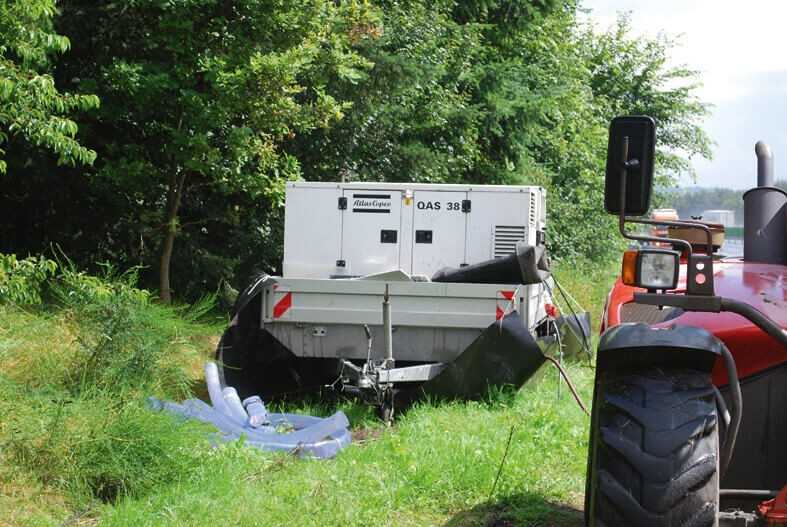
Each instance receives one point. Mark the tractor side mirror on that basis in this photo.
(630, 152)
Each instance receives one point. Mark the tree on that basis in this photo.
(209, 106)
(30, 104)
(631, 75)
(203, 94)
(500, 92)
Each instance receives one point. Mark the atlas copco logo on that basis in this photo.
(373, 203)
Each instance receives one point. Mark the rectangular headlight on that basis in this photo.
(658, 268)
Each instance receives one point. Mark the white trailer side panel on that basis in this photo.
(312, 237)
(354, 229)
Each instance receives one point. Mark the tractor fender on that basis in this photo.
(637, 345)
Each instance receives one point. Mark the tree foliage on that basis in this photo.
(202, 93)
(633, 76)
(491, 93)
(30, 104)
(210, 106)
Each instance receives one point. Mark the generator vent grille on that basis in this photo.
(532, 208)
(506, 237)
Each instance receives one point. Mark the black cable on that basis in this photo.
(574, 392)
(502, 462)
(576, 318)
(585, 344)
(725, 415)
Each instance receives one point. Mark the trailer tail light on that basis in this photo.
(774, 511)
(650, 268)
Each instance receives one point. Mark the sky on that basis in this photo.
(740, 50)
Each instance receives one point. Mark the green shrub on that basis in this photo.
(79, 423)
(21, 281)
(126, 342)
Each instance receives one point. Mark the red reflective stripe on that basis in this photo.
(504, 299)
(282, 305)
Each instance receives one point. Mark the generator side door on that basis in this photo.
(500, 219)
(370, 233)
(439, 230)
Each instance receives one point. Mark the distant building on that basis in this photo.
(663, 215)
(723, 216)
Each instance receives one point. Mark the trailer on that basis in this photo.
(395, 290)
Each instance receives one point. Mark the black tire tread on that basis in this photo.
(656, 450)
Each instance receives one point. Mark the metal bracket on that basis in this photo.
(466, 205)
(699, 276)
(420, 373)
(342, 203)
(711, 304)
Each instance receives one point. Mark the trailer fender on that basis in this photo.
(638, 345)
(251, 292)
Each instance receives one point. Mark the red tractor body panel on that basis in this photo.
(764, 286)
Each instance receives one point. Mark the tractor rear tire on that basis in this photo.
(654, 450)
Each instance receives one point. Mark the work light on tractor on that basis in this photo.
(688, 337)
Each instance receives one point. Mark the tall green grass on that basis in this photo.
(588, 283)
(74, 375)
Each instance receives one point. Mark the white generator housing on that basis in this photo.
(337, 230)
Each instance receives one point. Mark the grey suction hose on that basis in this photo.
(234, 405)
(324, 448)
(214, 388)
(309, 440)
(202, 411)
(316, 436)
(315, 432)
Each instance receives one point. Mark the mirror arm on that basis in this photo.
(623, 176)
(699, 270)
(673, 241)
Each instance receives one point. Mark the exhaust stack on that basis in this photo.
(765, 214)
(765, 176)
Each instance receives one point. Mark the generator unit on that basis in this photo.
(397, 288)
(340, 230)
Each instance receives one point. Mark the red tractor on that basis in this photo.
(689, 422)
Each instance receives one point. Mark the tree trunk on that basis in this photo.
(174, 195)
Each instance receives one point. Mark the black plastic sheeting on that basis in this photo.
(528, 265)
(504, 354)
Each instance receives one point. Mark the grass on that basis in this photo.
(79, 447)
(436, 466)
